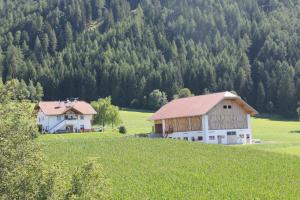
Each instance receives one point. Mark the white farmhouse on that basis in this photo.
(219, 118)
(64, 116)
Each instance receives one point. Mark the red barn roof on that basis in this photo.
(197, 105)
(61, 107)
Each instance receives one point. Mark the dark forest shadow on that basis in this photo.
(275, 117)
(137, 110)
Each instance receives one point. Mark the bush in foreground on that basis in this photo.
(122, 130)
(23, 174)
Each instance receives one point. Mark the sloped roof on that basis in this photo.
(61, 107)
(198, 105)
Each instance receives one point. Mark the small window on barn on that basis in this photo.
(229, 106)
(231, 133)
(186, 138)
(248, 136)
(200, 138)
(225, 106)
(193, 138)
(211, 137)
(241, 135)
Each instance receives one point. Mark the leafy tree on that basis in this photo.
(106, 112)
(185, 92)
(156, 99)
(22, 91)
(114, 117)
(89, 183)
(23, 175)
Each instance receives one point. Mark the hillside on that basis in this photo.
(126, 49)
(142, 168)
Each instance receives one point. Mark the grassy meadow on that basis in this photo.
(142, 168)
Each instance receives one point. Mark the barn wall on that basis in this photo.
(234, 118)
(183, 124)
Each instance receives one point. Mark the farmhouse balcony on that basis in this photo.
(71, 118)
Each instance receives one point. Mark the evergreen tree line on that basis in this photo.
(127, 49)
(19, 90)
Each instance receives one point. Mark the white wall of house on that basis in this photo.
(238, 136)
(53, 123)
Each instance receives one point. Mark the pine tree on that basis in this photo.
(261, 96)
(22, 91)
(32, 91)
(52, 42)
(38, 49)
(286, 92)
(39, 92)
(68, 36)
(45, 43)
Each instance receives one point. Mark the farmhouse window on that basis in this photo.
(248, 136)
(81, 117)
(211, 137)
(229, 106)
(193, 138)
(200, 138)
(225, 106)
(186, 138)
(242, 135)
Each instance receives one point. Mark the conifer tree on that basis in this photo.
(261, 95)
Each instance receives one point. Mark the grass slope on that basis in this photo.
(141, 168)
(277, 135)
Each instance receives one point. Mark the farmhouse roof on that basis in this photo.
(198, 105)
(61, 107)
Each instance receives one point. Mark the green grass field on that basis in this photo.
(142, 168)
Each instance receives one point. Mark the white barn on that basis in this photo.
(219, 118)
(64, 116)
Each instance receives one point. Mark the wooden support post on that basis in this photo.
(205, 127)
(163, 128)
(248, 121)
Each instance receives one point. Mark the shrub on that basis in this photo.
(122, 130)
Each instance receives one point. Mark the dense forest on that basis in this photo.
(127, 49)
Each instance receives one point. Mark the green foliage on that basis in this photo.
(261, 95)
(270, 107)
(298, 112)
(19, 90)
(185, 92)
(122, 130)
(106, 112)
(156, 99)
(127, 49)
(19, 157)
(23, 173)
(89, 183)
